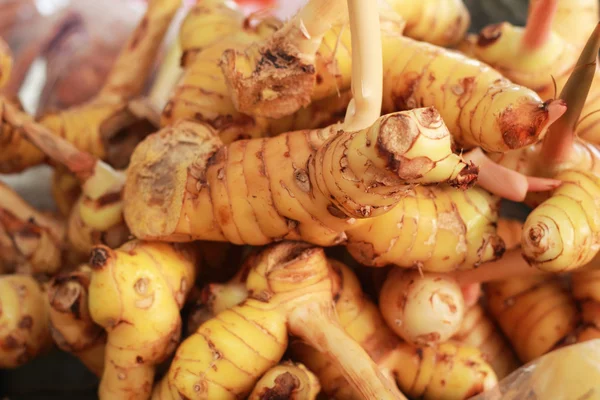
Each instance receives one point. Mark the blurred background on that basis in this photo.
(62, 53)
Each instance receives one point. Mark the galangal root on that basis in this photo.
(71, 324)
(288, 187)
(136, 293)
(30, 241)
(480, 106)
(290, 291)
(424, 310)
(211, 28)
(286, 381)
(24, 327)
(440, 22)
(448, 371)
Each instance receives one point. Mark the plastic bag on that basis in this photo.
(64, 49)
(569, 373)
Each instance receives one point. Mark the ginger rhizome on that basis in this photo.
(71, 324)
(440, 22)
(136, 293)
(110, 124)
(209, 29)
(449, 371)
(287, 381)
(545, 66)
(290, 187)
(284, 59)
(563, 232)
(24, 327)
(535, 313)
(30, 241)
(480, 106)
(290, 292)
(451, 230)
(585, 285)
(423, 310)
(478, 330)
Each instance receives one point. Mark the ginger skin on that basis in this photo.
(136, 293)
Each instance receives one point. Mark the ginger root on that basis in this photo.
(448, 371)
(211, 28)
(535, 313)
(24, 327)
(424, 310)
(478, 330)
(440, 22)
(287, 381)
(289, 292)
(71, 324)
(135, 294)
(30, 241)
(310, 185)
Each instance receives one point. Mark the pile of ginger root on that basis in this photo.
(317, 208)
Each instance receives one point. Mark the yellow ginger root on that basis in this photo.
(440, 22)
(111, 124)
(30, 241)
(546, 66)
(478, 330)
(209, 29)
(135, 294)
(424, 310)
(71, 324)
(563, 232)
(24, 328)
(287, 381)
(511, 265)
(451, 230)
(585, 287)
(535, 313)
(309, 185)
(96, 217)
(289, 292)
(285, 60)
(217, 297)
(448, 371)
(479, 105)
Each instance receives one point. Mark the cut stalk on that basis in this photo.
(539, 24)
(97, 177)
(512, 265)
(367, 66)
(505, 182)
(558, 143)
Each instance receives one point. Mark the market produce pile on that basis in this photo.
(316, 210)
